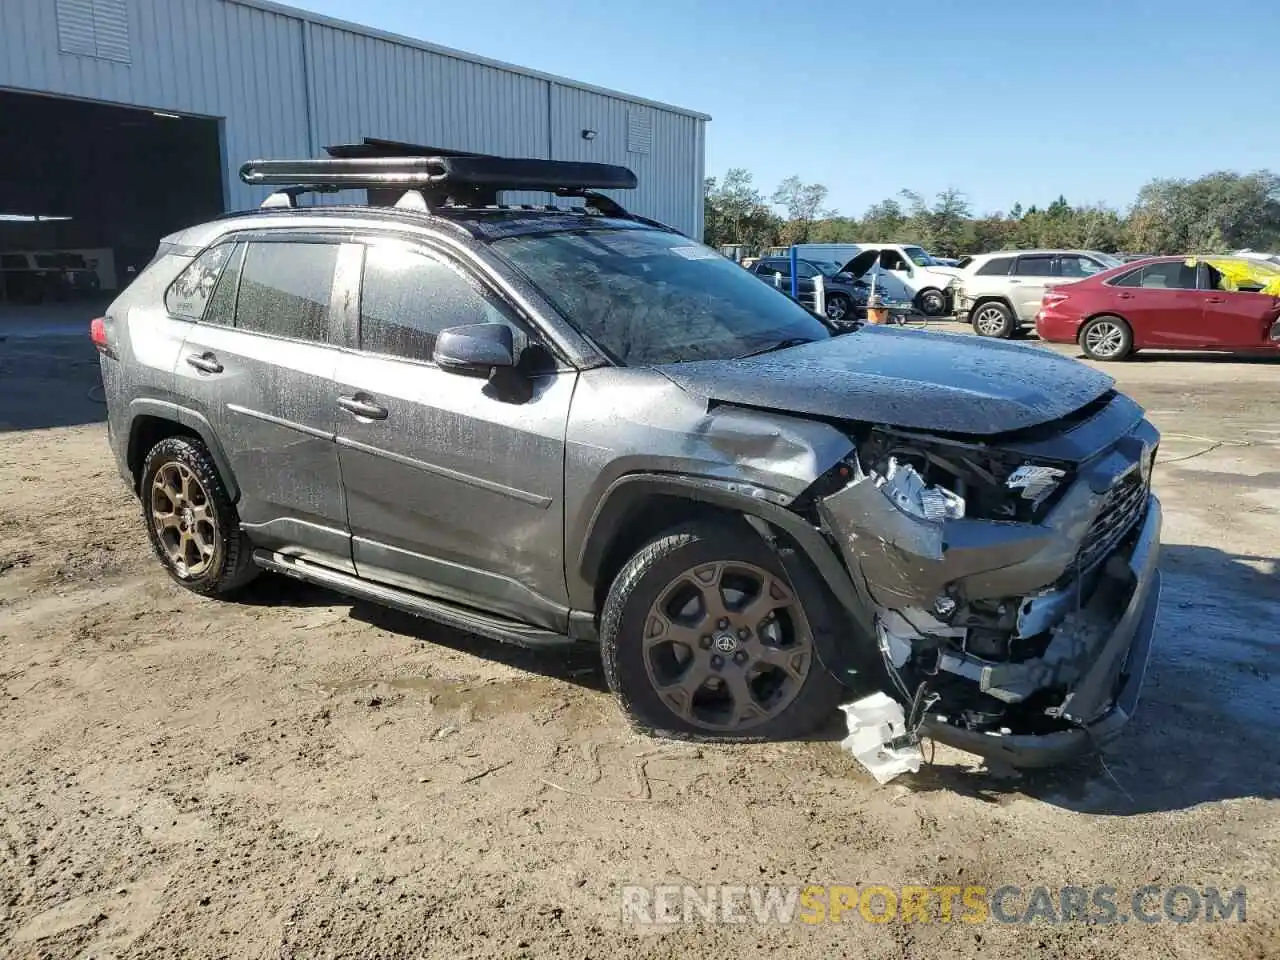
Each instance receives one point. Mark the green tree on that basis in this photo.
(802, 202)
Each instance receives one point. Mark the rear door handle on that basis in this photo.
(363, 406)
(1216, 300)
(204, 362)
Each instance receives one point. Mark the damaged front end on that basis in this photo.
(1014, 595)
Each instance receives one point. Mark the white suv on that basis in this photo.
(1000, 293)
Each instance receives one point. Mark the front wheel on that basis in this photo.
(993, 319)
(1106, 338)
(931, 302)
(704, 635)
(838, 306)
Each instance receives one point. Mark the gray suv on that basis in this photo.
(554, 426)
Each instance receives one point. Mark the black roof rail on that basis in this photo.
(461, 180)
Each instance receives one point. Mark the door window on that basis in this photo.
(285, 289)
(408, 296)
(189, 294)
(995, 267)
(805, 271)
(1173, 275)
(1034, 266)
(892, 260)
(770, 267)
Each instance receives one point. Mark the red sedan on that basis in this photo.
(1168, 303)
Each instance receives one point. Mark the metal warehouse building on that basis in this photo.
(121, 120)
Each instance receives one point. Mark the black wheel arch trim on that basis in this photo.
(192, 420)
(625, 493)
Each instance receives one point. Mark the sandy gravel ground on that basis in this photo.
(295, 775)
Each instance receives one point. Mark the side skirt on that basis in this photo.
(460, 618)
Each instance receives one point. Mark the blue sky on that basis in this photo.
(1005, 100)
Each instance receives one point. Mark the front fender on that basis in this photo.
(626, 493)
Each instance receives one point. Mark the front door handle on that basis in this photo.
(1216, 300)
(363, 406)
(204, 362)
(1125, 296)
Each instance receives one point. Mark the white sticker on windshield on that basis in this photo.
(695, 253)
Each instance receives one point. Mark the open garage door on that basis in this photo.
(87, 189)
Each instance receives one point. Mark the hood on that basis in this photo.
(904, 378)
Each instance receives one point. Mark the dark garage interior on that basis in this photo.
(87, 189)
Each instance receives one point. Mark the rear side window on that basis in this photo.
(188, 295)
(995, 267)
(770, 267)
(1174, 275)
(1035, 266)
(285, 289)
(13, 261)
(1130, 279)
(408, 297)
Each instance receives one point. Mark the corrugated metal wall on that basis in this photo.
(287, 86)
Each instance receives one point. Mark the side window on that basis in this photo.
(995, 267)
(13, 261)
(1076, 266)
(189, 294)
(806, 271)
(408, 297)
(222, 305)
(1034, 266)
(892, 260)
(285, 289)
(1174, 275)
(1131, 279)
(771, 267)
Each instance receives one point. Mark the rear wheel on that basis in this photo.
(704, 635)
(193, 525)
(993, 319)
(1106, 338)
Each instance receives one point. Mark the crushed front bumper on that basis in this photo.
(1106, 697)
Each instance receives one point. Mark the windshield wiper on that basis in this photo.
(780, 345)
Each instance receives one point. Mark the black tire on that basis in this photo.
(932, 302)
(230, 565)
(627, 610)
(993, 319)
(1106, 338)
(839, 307)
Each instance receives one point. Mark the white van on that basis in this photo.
(906, 271)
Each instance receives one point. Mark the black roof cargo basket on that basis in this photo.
(438, 180)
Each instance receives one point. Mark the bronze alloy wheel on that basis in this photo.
(184, 520)
(726, 645)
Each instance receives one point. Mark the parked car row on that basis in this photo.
(901, 272)
(1113, 307)
(27, 277)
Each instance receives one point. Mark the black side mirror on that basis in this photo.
(475, 349)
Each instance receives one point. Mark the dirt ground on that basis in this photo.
(295, 775)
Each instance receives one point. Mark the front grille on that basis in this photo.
(1123, 506)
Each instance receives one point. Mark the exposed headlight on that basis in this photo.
(1035, 482)
(904, 486)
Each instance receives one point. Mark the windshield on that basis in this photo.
(649, 297)
(1106, 259)
(919, 257)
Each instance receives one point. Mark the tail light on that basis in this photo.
(1051, 299)
(98, 334)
